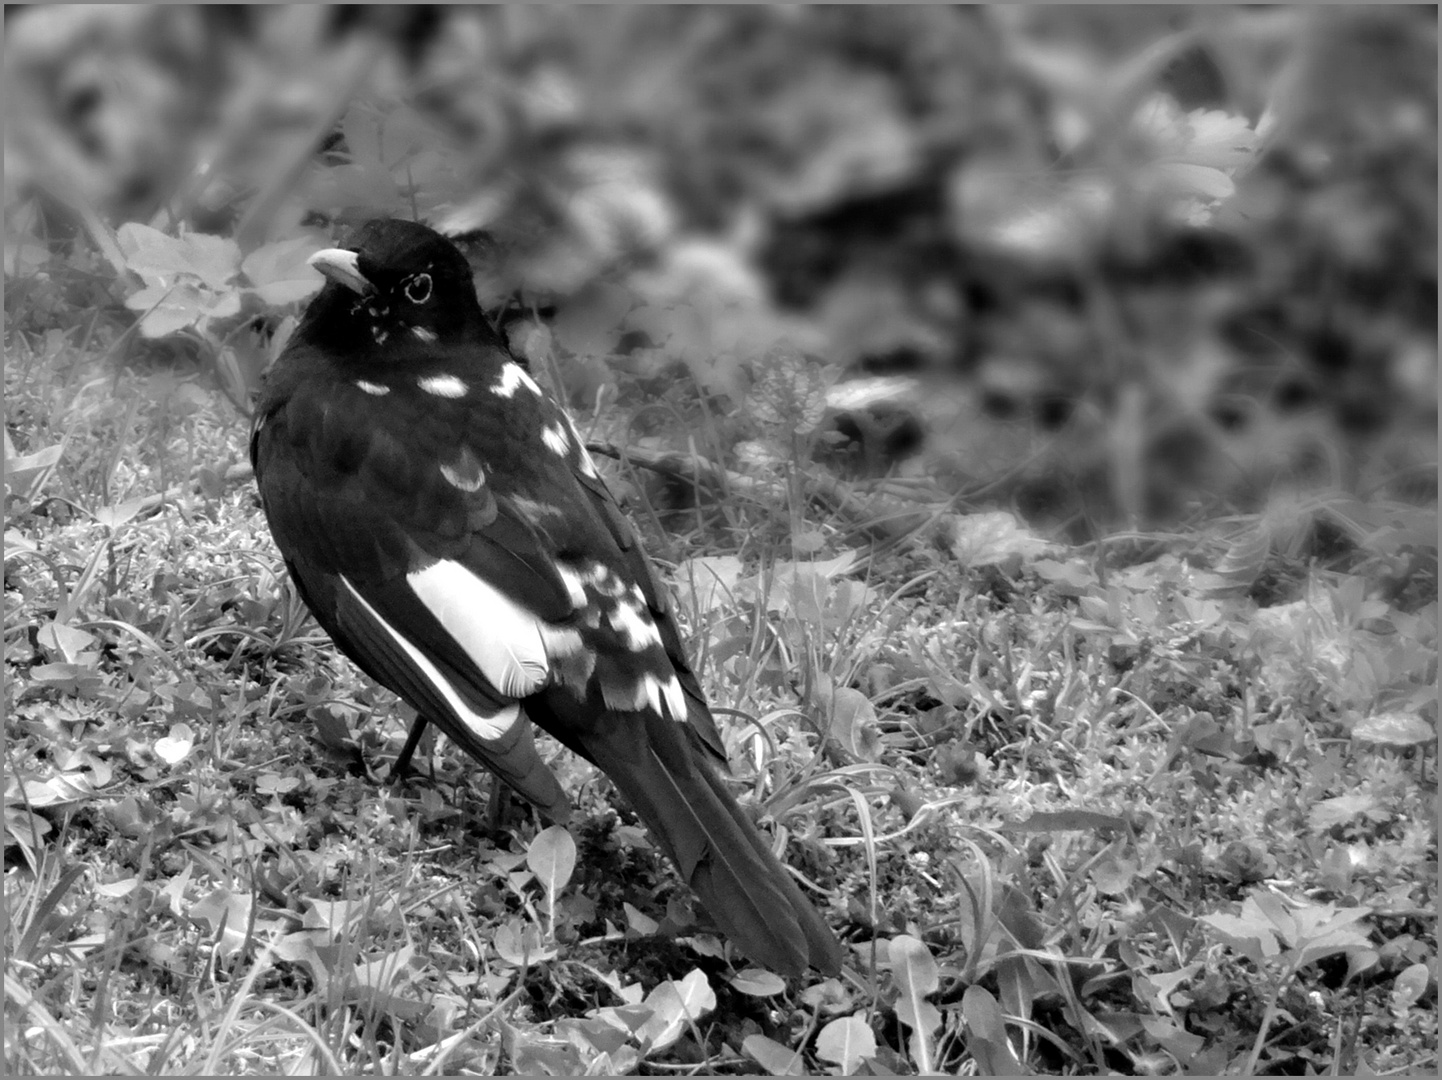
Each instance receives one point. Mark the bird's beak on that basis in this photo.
(342, 266)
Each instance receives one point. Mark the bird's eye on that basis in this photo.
(418, 289)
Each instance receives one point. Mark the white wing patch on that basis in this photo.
(374, 389)
(502, 638)
(420, 333)
(513, 377)
(556, 437)
(484, 727)
(446, 386)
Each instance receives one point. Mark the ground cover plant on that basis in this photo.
(1040, 442)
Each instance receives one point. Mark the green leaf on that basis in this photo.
(674, 1007)
(758, 982)
(521, 944)
(1409, 986)
(228, 916)
(846, 1041)
(1252, 937)
(63, 643)
(852, 722)
(914, 970)
(639, 922)
(552, 858)
(57, 790)
(776, 1059)
(175, 747)
(988, 1042)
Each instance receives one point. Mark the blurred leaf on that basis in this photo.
(167, 309)
(707, 583)
(26, 474)
(151, 253)
(591, 324)
(280, 273)
(1114, 876)
(112, 517)
(992, 538)
(1395, 729)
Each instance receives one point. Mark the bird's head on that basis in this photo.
(394, 283)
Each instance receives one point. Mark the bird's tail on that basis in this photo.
(513, 757)
(716, 848)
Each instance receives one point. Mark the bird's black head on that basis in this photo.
(391, 285)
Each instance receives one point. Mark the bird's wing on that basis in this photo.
(455, 538)
(357, 502)
(464, 552)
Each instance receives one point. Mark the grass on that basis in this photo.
(1074, 809)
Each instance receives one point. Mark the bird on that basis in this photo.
(443, 521)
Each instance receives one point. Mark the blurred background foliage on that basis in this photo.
(1108, 267)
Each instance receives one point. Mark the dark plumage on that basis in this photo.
(442, 520)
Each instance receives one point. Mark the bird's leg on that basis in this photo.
(403, 763)
(496, 812)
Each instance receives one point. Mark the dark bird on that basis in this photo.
(442, 520)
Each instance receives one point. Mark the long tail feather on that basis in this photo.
(717, 850)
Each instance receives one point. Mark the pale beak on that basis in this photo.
(342, 266)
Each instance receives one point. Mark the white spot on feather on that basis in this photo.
(676, 698)
(484, 727)
(556, 437)
(375, 389)
(513, 376)
(666, 698)
(422, 334)
(466, 474)
(504, 640)
(583, 456)
(635, 626)
(446, 386)
(575, 585)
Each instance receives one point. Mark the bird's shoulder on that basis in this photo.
(444, 454)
